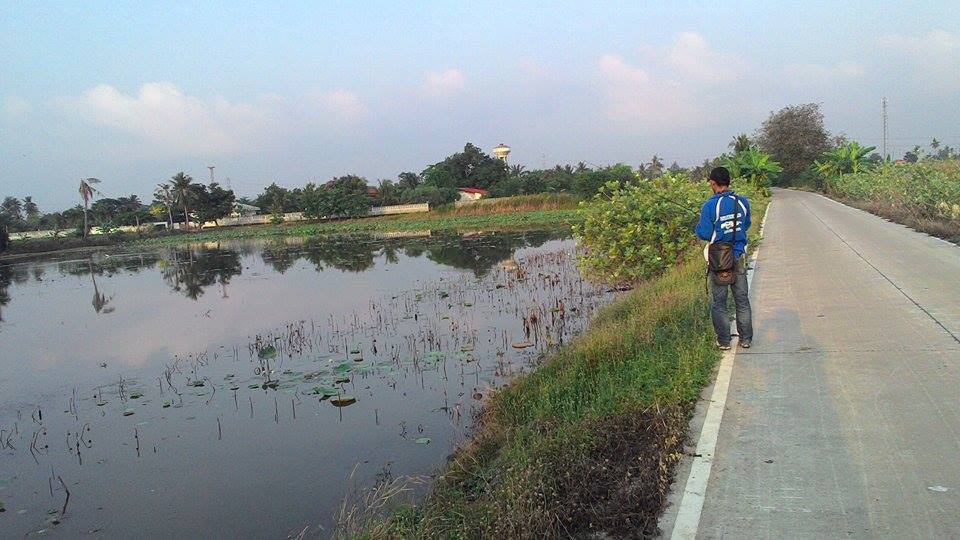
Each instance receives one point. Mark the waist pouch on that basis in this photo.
(722, 263)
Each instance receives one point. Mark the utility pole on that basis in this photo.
(211, 167)
(885, 128)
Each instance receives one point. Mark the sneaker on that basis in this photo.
(746, 343)
(723, 347)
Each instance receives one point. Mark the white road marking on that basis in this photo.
(694, 493)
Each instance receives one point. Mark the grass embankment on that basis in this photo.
(924, 196)
(587, 443)
(520, 212)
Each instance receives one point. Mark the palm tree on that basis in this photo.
(739, 143)
(517, 170)
(31, 209)
(86, 193)
(182, 187)
(656, 167)
(165, 194)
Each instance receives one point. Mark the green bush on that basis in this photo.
(928, 189)
(636, 232)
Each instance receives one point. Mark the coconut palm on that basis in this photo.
(655, 168)
(183, 189)
(165, 194)
(31, 209)
(740, 143)
(86, 193)
(517, 170)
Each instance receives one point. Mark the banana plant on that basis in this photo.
(848, 158)
(755, 166)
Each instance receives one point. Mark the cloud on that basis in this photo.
(443, 84)
(341, 105)
(693, 59)
(633, 95)
(673, 86)
(16, 108)
(167, 121)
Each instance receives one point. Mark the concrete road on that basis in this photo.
(843, 420)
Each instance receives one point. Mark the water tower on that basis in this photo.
(501, 152)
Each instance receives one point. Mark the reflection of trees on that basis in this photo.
(100, 300)
(191, 270)
(351, 254)
(478, 253)
(279, 255)
(10, 274)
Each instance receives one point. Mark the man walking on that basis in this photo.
(725, 217)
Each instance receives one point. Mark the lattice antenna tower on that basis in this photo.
(885, 128)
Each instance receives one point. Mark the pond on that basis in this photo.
(247, 388)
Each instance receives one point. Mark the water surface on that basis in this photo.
(190, 391)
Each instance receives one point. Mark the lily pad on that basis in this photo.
(423, 440)
(342, 379)
(344, 367)
(198, 382)
(253, 386)
(522, 345)
(167, 404)
(343, 400)
(324, 391)
(355, 350)
(267, 353)
(136, 395)
(128, 412)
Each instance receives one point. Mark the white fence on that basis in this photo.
(237, 221)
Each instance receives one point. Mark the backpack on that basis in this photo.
(720, 257)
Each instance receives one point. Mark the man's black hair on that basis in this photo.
(721, 176)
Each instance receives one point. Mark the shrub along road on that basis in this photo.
(843, 420)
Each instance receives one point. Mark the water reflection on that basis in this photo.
(189, 271)
(193, 269)
(176, 395)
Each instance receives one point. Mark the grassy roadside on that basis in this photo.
(529, 211)
(587, 443)
(946, 229)
(924, 196)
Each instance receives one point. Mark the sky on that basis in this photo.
(133, 92)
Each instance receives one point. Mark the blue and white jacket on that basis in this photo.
(716, 220)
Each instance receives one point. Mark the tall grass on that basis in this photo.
(505, 205)
(924, 195)
(587, 443)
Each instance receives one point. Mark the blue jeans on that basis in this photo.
(741, 298)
